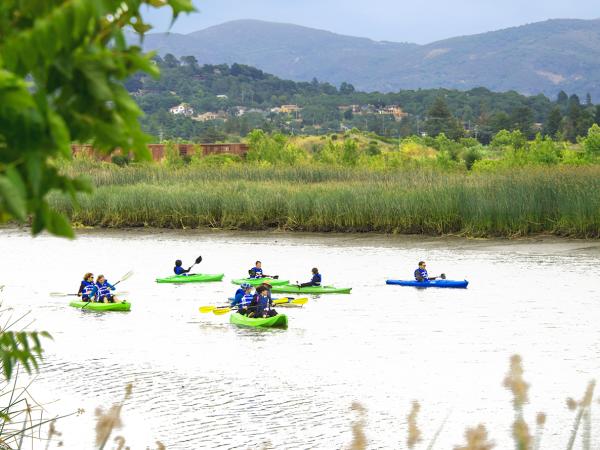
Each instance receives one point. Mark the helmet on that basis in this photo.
(246, 286)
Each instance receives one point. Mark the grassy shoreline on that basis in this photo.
(563, 201)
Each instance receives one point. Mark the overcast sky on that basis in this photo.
(421, 21)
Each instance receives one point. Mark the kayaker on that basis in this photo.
(421, 273)
(244, 304)
(268, 287)
(263, 303)
(87, 289)
(237, 298)
(104, 288)
(179, 270)
(315, 280)
(257, 272)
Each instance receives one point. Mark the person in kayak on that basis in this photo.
(262, 304)
(257, 272)
(421, 274)
(244, 301)
(179, 270)
(268, 287)
(314, 281)
(104, 288)
(87, 289)
(239, 294)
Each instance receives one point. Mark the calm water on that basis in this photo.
(200, 382)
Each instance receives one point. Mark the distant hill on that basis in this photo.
(543, 57)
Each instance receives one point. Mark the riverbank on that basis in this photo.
(561, 201)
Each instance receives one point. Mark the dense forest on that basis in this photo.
(244, 98)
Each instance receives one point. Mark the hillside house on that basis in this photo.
(182, 109)
(394, 110)
(207, 116)
(290, 109)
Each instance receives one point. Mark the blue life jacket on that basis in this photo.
(246, 300)
(263, 302)
(239, 294)
(104, 289)
(179, 270)
(316, 279)
(258, 273)
(89, 290)
(421, 273)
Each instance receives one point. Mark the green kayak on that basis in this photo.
(259, 281)
(126, 306)
(278, 321)
(294, 289)
(196, 278)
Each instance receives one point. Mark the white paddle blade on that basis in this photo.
(126, 276)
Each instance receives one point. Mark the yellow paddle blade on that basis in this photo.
(221, 311)
(281, 301)
(206, 309)
(299, 301)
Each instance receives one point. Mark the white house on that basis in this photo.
(182, 109)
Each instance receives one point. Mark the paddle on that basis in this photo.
(123, 278)
(62, 294)
(220, 310)
(198, 261)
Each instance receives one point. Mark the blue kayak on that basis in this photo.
(428, 284)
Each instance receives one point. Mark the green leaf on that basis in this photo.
(12, 198)
(58, 224)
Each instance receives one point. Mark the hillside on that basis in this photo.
(543, 57)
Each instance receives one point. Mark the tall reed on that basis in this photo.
(558, 200)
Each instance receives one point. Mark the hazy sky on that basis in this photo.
(421, 21)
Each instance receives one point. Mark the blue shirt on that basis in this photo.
(179, 270)
(258, 273)
(316, 279)
(421, 273)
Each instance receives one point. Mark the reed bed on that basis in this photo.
(558, 200)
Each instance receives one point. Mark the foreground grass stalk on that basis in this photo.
(583, 407)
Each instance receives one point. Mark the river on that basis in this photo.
(199, 382)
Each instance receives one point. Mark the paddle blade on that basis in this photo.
(207, 309)
(299, 301)
(221, 311)
(281, 301)
(198, 260)
(126, 276)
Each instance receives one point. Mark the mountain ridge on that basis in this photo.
(542, 57)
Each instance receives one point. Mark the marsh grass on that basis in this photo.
(558, 200)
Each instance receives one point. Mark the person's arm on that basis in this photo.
(112, 288)
(80, 291)
(316, 279)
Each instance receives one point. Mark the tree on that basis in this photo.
(346, 88)
(171, 61)
(522, 120)
(588, 99)
(62, 64)
(597, 115)
(572, 122)
(553, 122)
(441, 120)
(562, 98)
(591, 144)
